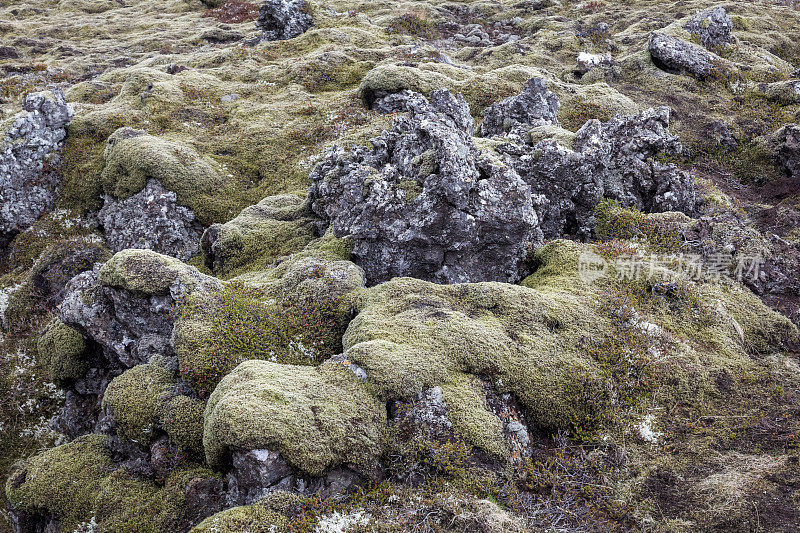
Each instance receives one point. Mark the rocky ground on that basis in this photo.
(526, 265)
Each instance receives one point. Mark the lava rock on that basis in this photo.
(789, 150)
(425, 202)
(29, 159)
(535, 106)
(713, 27)
(151, 219)
(283, 19)
(615, 160)
(126, 304)
(677, 56)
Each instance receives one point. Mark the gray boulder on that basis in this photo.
(29, 159)
(616, 159)
(126, 305)
(283, 19)
(423, 201)
(677, 56)
(713, 27)
(535, 106)
(151, 219)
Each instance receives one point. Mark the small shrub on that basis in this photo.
(615, 223)
(248, 325)
(234, 12)
(414, 23)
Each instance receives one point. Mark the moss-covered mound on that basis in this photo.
(150, 273)
(64, 350)
(63, 481)
(274, 227)
(317, 418)
(133, 157)
(134, 398)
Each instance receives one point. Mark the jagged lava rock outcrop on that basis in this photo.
(424, 201)
(283, 19)
(713, 27)
(29, 160)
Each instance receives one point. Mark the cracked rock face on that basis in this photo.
(424, 201)
(677, 56)
(151, 219)
(535, 106)
(713, 27)
(283, 19)
(29, 158)
(615, 160)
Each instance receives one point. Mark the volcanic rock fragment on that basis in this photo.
(677, 56)
(713, 27)
(151, 219)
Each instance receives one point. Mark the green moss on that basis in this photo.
(411, 335)
(317, 418)
(63, 481)
(134, 398)
(63, 350)
(614, 222)
(147, 272)
(269, 514)
(133, 157)
(127, 504)
(275, 227)
(182, 419)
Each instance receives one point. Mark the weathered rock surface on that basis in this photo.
(151, 219)
(713, 27)
(425, 202)
(789, 150)
(29, 160)
(677, 56)
(615, 160)
(535, 106)
(283, 19)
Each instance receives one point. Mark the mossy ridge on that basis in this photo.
(317, 418)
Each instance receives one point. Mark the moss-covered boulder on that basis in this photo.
(134, 398)
(133, 157)
(62, 481)
(274, 227)
(150, 273)
(64, 350)
(412, 335)
(127, 504)
(316, 418)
